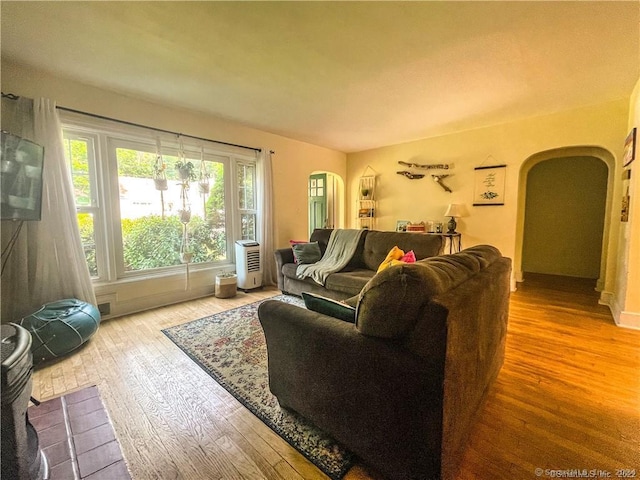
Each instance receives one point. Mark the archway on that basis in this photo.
(325, 192)
(564, 153)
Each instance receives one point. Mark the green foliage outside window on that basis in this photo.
(85, 222)
(154, 242)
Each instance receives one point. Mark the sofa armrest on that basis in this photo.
(283, 256)
(369, 393)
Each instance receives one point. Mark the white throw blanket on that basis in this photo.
(340, 249)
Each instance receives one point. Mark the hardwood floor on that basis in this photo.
(568, 396)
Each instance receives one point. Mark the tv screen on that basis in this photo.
(21, 164)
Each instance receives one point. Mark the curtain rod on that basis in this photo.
(102, 117)
(12, 96)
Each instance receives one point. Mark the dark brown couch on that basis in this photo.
(371, 251)
(400, 387)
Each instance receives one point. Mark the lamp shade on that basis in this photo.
(453, 210)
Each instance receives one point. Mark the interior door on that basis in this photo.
(317, 201)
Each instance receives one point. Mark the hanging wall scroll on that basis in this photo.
(489, 185)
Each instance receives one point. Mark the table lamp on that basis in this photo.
(454, 211)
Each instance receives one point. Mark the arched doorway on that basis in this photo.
(325, 192)
(554, 216)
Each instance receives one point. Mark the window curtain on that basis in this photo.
(266, 233)
(47, 262)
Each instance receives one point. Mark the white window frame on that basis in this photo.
(236, 198)
(105, 137)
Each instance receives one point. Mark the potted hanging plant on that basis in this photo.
(186, 257)
(203, 184)
(159, 175)
(186, 171)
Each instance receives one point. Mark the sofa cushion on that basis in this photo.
(391, 302)
(349, 281)
(321, 235)
(306, 252)
(377, 245)
(328, 306)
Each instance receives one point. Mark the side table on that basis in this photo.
(453, 239)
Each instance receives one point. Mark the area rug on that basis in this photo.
(230, 346)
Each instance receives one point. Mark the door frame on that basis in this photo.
(339, 211)
(608, 247)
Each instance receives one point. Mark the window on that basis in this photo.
(80, 155)
(247, 200)
(132, 225)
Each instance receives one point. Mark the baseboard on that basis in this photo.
(608, 299)
(621, 318)
(629, 320)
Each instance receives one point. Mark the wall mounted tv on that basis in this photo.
(21, 163)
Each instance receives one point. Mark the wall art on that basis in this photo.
(629, 148)
(401, 225)
(489, 185)
(626, 201)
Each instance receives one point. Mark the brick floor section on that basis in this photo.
(77, 437)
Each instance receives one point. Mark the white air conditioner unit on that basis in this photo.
(248, 264)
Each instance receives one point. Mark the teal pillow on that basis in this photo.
(306, 252)
(328, 306)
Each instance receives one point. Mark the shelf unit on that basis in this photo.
(366, 204)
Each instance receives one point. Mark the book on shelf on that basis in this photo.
(365, 212)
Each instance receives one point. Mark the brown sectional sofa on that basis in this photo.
(371, 251)
(402, 385)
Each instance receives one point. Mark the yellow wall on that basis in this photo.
(398, 198)
(627, 298)
(293, 161)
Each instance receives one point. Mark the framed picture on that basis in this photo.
(401, 225)
(629, 148)
(365, 212)
(489, 185)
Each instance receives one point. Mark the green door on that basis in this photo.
(317, 201)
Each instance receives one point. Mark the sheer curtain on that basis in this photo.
(47, 262)
(265, 217)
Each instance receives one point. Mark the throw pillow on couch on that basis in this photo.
(306, 252)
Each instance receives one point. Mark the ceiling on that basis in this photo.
(345, 75)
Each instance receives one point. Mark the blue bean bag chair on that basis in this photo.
(60, 327)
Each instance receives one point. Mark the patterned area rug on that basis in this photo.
(230, 346)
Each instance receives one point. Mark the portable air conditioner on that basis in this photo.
(248, 264)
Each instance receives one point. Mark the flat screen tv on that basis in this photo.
(21, 163)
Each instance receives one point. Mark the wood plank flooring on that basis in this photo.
(568, 396)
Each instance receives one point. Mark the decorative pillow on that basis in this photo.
(409, 257)
(328, 306)
(296, 242)
(392, 258)
(306, 252)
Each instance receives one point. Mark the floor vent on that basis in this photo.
(104, 308)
